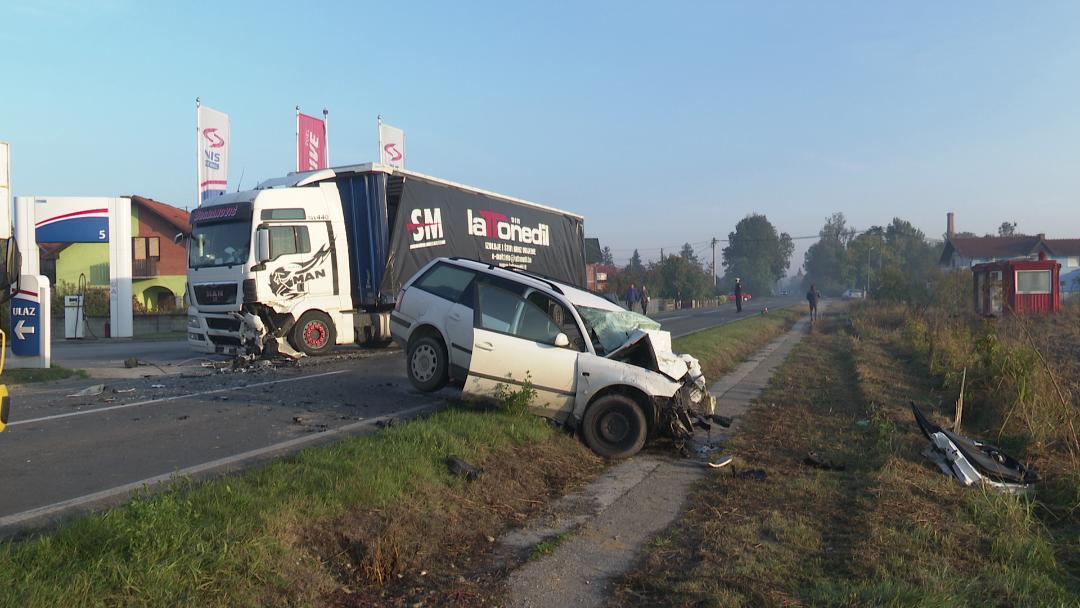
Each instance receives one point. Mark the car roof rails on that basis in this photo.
(532, 275)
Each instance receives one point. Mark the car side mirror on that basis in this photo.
(262, 245)
(9, 274)
(561, 340)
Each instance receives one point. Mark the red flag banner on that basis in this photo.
(310, 143)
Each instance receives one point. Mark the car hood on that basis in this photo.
(651, 348)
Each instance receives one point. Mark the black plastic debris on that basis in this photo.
(752, 474)
(461, 468)
(814, 460)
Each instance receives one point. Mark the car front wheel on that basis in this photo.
(614, 427)
(427, 364)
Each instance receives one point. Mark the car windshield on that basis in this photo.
(610, 329)
(219, 244)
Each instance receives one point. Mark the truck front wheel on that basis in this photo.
(313, 334)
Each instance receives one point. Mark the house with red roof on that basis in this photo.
(158, 263)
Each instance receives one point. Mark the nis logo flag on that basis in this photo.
(214, 140)
(311, 153)
(391, 146)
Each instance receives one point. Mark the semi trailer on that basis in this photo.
(318, 258)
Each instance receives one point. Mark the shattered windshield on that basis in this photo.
(610, 329)
(221, 244)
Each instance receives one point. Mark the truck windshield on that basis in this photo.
(219, 244)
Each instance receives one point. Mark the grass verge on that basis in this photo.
(721, 348)
(28, 376)
(359, 519)
(889, 530)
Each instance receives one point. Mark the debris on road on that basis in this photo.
(123, 390)
(970, 461)
(720, 462)
(157, 386)
(461, 468)
(91, 391)
(814, 460)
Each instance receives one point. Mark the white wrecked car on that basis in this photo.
(600, 369)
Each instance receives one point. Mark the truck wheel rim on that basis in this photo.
(424, 362)
(614, 427)
(315, 334)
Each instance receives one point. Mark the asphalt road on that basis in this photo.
(63, 454)
(682, 322)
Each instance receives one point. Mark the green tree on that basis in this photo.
(826, 261)
(687, 253)
(1007, 229)
(606, 256)
(757, 254)
(678, 277)
(635, 263)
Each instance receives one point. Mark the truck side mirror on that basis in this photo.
(9, 273)
(262, 245)
(179, 238)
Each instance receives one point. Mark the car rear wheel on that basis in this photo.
(614, 427)
(313, 334)
(427, 364)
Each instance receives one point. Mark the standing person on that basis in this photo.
(738, 295)
(632, 297)
(812, 297)
(644, 300)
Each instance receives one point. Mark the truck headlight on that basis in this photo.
(193, 322)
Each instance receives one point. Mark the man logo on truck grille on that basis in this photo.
(426, 228)
(290, 280)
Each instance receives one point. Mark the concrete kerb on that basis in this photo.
(630, 503)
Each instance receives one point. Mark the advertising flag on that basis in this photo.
(391, 146)
(214, 140)
(5, 190)
(311, 149)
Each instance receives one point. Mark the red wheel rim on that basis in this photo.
(316, 334)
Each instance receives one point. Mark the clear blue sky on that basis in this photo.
(662, 123)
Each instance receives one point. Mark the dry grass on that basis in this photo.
(888, 531)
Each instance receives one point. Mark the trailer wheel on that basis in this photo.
(614, 426)
(313, 334)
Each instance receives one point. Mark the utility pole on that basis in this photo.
(714, 262)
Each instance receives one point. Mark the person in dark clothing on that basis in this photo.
(644, 300)
(632, 297)
(738, 295)
(812, 297)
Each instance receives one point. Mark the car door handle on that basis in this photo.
(485, 346)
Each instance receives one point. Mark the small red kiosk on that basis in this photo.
(1018, 287)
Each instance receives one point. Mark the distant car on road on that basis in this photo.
(853, 294)
(745, 297)
(596, 367)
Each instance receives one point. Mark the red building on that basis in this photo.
(1017, 287)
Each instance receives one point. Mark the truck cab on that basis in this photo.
(270, 261)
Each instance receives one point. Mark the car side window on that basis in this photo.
(561, 316)
(446, 281)
(507, 312)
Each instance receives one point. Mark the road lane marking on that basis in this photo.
(55, 508)
(173, 398)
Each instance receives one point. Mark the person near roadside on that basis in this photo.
(632, 297)
(644, 300)
(812, 297)
(738, 295)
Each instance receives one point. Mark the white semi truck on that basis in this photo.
(317, 258)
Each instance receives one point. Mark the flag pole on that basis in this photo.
(296, 139)
(326, 134)
(198, 161)
(380, 137)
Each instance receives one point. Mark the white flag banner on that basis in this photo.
(5, 189)
(391, 146)
(214, 140)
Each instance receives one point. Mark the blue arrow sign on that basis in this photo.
(25, 326)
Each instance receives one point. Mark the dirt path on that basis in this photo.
(598, 533)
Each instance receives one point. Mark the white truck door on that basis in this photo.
(300, 262)
(514, 342)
